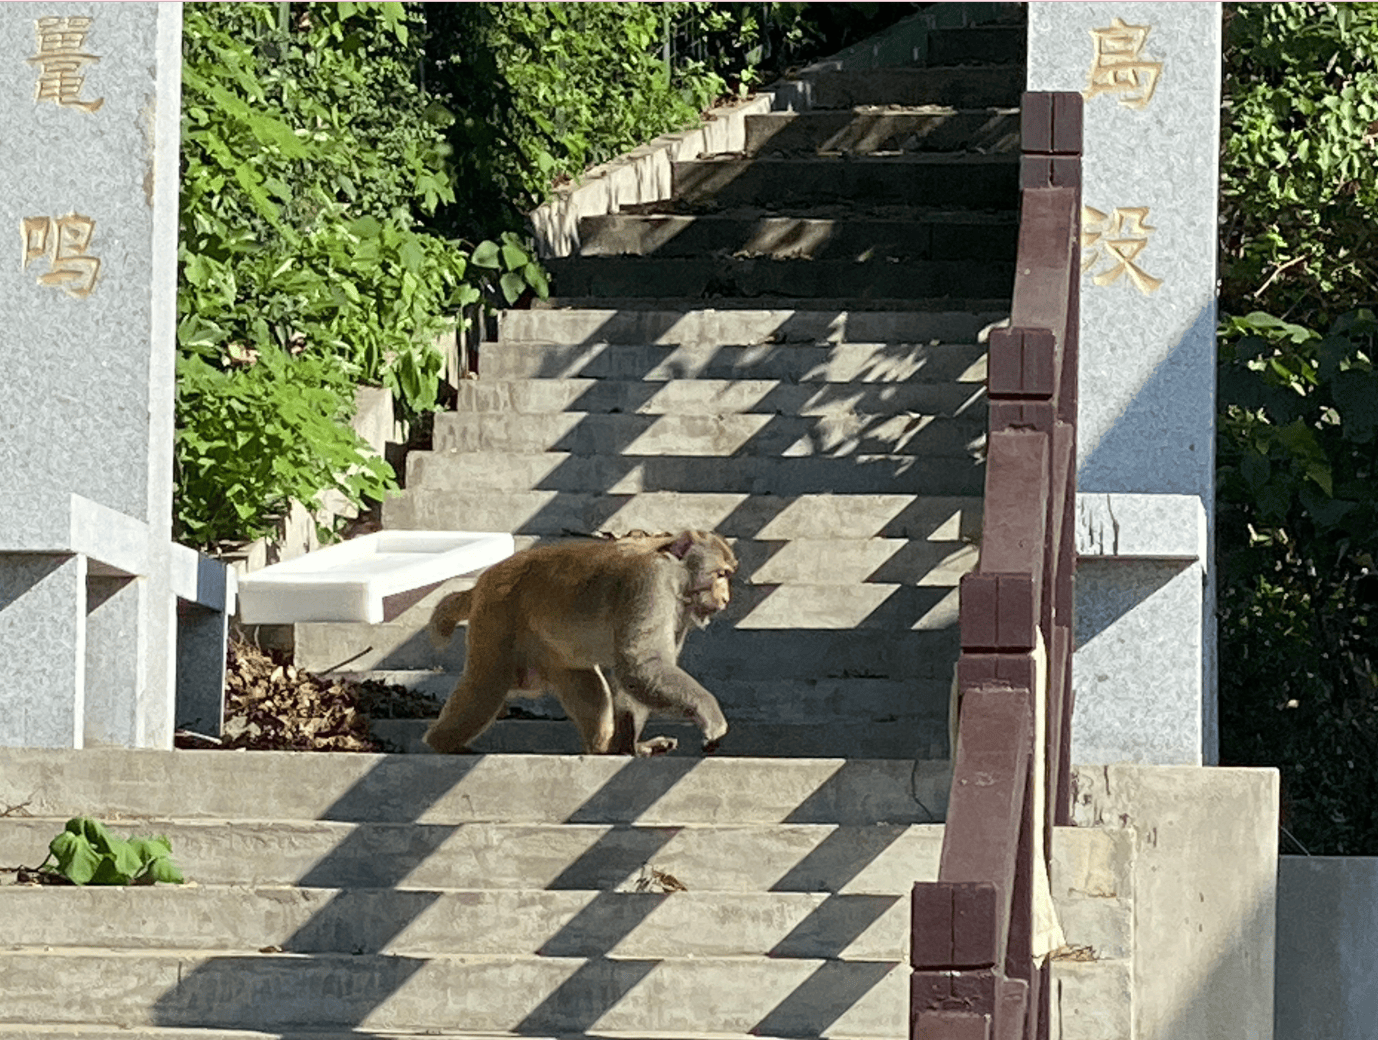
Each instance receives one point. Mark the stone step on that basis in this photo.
(861, 606)
(731, 514)
(890, 647)
(784, 857)
(493, 470)
(937, 237)
(881, 365)
(960, 87)
(914, 727)
(839, 306)
(870, 129)
(454, 789)
(819, 700)
(718, 396)
(524, 994)
(956, 179)
(67, 1031)
(714, 276)
(750, 435)
(419, 922)
(689, 324)
(977, 45)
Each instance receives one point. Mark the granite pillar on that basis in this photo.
(1144, 670)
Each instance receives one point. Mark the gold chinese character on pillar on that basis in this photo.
(60, 59)
(1119, 66)
(1117, 238)
(64, 243)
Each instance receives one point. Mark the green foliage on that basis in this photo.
(1298, 532)
(309, 156)
(253, 437)
(1299, 194)
(1297, 500)
(541, 91)
(338, 162)
(85, 853)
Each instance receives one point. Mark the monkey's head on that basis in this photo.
(711, 564)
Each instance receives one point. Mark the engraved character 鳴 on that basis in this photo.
(64, 242)
(1119, 66)
(60, 59)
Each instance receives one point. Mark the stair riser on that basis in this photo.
(987, 87)
(741, 327)
(420, 923)
(734, 515)
(977, 183)
(978, 45)
(805, 997)
(904, 733)
(879, 366)
(719, 397)
(745, 655)
(453, 789)
(794, 238)
(719, 436)
(316, 854)
(860, 133)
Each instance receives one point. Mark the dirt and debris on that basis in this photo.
(270, 705)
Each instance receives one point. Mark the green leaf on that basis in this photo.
(513, 285)
(486, 254)
(76, 860)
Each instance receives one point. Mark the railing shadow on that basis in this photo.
(341, 975)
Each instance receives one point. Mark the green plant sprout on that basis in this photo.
(85, 853)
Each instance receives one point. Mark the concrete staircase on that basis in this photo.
(336, 895)
(788, 351)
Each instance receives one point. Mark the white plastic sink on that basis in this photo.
(351, 581)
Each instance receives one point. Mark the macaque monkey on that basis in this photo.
(559, 617)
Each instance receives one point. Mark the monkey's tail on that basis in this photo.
(448, 613)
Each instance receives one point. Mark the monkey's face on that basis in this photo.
(712, 565)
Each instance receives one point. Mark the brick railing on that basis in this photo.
(977, 951)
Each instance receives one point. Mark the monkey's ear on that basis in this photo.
(679, 548)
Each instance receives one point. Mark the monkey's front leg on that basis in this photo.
(666, 687)
(630, 718)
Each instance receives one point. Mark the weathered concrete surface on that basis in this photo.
(712, 436)
(793, 997)
(974, 87)
(927, 236)
(873, 278)
(718, 396)
(456, 789)
(876, 859)
(968, 180)
(690, 324)
(878, 365)
(911, 726)
(649, 924)
(1327, 948)
(1092, 885)
(860, 131)
(731, 514)
(1204, 886)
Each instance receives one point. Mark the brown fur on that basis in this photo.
(563, 617)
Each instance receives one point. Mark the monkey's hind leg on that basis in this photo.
(587, 700)
(478, 699)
